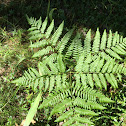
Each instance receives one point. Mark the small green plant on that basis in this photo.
(73, 73)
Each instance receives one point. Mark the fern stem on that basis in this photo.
(48, 8)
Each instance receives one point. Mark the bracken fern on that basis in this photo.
(94, 64)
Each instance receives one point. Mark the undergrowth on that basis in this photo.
(77, 76)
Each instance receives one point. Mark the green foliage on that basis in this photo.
(50, 44)
(32, 110)
(76, 103)
(94, 63)
(92, 14)
(97, 70)
(112, 46)
(13, 102)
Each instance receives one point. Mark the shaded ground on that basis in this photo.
(106, 14)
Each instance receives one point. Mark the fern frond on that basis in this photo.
(90, 80)
(49, 43)
(103, 40)
(77, 121)
(103, 80)
(109, 42)
(69, 51)
(79, 103)
(95, 63)
(55, 97)
(107, 46)
(97, 80)
(84, 112)
(47, 83)
(64, 116)
(96, 71)
(80, 61)
(58, 81)
(31, 20)
(28, 77)
(49, 30)
(50, 58)
(44, 24)
(43, 52)
(111, 46)
(64, 40)
(51, 74)
(87, 104)
(59, 108)
(60, 63)
(75, 48)
(96, 42)
(113, 54)
(39, 44)
(87, 43)
(83, 120)
(37, 28)
(57, 34)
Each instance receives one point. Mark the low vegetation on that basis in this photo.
(58, 72)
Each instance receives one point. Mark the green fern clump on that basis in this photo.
(64, 92)
(94, 64)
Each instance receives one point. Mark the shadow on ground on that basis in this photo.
(106, 14)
